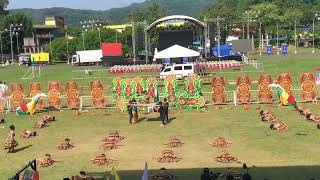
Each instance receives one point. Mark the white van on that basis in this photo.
(180, 70)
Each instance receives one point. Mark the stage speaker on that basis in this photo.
(212, 35)
(129, 40)
(140, 37)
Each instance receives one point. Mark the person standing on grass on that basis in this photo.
(11, 143)
(130, 112)
(166, 109)
(162, 114)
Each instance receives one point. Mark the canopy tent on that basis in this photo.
(176, 51)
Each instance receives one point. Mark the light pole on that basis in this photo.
(278, 39)
(91, 25)
(316, 16)
(50, 45)
(67, 47)
(17, 36)
(295, 36)
(260, 34)
(1, 47)
(12, 29)
(100, 36)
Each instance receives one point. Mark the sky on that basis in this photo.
(75, 4)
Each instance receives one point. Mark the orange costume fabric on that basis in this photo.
(96, 88)
(307, 92)
(265, 92)
(54, 92)
(218, 90)
(34, 89)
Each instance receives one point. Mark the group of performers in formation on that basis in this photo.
(161, 107)
(275, 123)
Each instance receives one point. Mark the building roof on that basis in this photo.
(44, 26)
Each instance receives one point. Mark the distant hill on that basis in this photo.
(118, 15)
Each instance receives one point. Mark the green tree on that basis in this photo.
(3, 5)
(26, 29)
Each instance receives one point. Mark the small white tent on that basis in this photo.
(176, 51)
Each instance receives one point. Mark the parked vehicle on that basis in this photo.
(180, 70)
(87, 57)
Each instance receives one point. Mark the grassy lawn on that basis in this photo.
(274, 155)
(253, 142)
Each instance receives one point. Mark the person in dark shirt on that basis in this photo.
(166, 109)
(130, 112)
(162, 114)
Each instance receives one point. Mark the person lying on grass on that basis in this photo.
(303, 111)
(279, 126)
(313, 117)
(66, 145)
(47, 118)
(40, 124)
(46, 161)
(27, 134)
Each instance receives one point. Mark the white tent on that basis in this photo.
(176, 51)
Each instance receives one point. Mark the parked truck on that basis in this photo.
(87, 57)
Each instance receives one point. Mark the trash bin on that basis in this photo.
(284, 49)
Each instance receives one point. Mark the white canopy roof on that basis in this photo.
(176, 51)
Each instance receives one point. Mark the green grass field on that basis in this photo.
(282, 156)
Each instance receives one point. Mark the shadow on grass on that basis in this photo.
(141, 119)
(21, 149)
(257, 173)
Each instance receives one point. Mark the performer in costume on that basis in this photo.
(166, 109)
(130, 112)
(3, 95)
(134, 108)
(11, 143)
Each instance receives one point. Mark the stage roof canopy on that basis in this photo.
(176, 51)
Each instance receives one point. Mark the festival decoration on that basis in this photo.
(97, 94)
(171, 90)
(285, 81)
(285, 98)
(219, 90)
(192, 97)
(34, 89)
(137, 85)
(30, 108)
(72, 92)
(54, 90)
(17, 95)
(265, 93)
(243, 92)
(151, 86)
(307, 81)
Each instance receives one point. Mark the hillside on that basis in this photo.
(117, 15)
